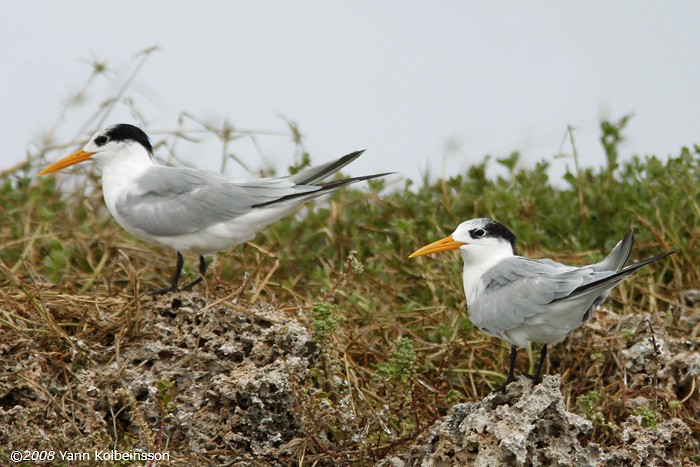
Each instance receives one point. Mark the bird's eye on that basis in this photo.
(478, 233)
(101, 140)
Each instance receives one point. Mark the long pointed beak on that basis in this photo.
(77, 156)
(446, 244)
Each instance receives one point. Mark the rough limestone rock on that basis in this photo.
(524, 426)
(233, 368)
(647, 446)
(530, 426)
(675, 366)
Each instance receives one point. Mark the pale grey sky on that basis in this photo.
(402, 79)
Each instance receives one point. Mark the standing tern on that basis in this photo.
(193, 210)
(519, 299)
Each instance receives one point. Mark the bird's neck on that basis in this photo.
(478, 260)
(119, 177)
(125, 165)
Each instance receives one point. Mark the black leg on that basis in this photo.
(511, 369)
(202, 271)
(537, 377)
(176, 278)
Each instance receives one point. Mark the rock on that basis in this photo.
(525, 426)
(232, 367)
(647, 446)
(691, 296)
(238, 373)
(530, 426)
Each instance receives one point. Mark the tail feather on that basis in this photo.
(323, 188)
(614, 279)
(313, 174)
(619, 255)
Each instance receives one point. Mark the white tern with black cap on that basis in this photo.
(519, 299)
(193, 210)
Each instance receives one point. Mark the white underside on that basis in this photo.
(214, 238)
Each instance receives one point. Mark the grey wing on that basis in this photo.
(518, 288)
(177, 201)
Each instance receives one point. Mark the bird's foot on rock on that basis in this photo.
(536, 378)
(504, 386)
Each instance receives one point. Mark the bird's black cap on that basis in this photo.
(124, 132)
(496, 229)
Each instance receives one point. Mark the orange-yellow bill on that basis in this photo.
(77, 156)
(446, 244)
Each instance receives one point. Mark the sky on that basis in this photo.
(422, 86)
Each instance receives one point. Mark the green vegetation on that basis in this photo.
(166, 395)
(325, 320)
(590, 406)
(401, 364)
(397, 343)
(649, 417)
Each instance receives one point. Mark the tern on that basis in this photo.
(519, 299)
(192, 210)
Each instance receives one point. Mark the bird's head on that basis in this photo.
(476, 237)
(115, 143)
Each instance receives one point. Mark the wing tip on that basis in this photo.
(347, 158)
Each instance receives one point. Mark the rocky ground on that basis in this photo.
(215, 382)
(530, 426)
(232, 401)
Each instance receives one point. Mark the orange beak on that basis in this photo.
(446, 244)
(76, 157)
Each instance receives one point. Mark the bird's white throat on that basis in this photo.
(479, 259)
(119, 175)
